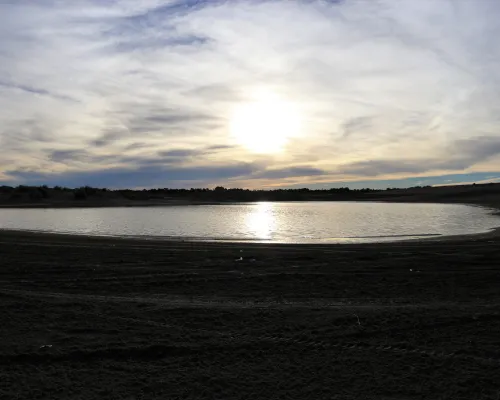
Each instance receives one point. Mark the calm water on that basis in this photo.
(278, 222)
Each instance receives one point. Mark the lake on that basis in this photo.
(291, 222)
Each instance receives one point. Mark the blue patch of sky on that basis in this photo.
(408, 182)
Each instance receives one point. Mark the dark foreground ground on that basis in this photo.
(118, 319)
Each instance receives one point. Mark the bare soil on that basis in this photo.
(97, 318)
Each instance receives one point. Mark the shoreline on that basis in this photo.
(493, 209)
(134, 204)
(58, 237)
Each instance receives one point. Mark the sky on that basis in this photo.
(256, 94)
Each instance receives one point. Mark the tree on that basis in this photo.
(80, 194)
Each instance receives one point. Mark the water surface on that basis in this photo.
(294, 222)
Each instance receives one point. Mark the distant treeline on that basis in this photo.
(44, 192)
(58, 195)
(219, 193)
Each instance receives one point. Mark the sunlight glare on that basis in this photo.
(266, 124)
(261, 221)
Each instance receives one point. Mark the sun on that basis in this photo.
(265, 124)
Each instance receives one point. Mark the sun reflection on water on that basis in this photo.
(261, 221)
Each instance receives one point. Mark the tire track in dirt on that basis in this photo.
(227, 303)
(159, 351)
(323, 345)
(185, 302)
(362, 346)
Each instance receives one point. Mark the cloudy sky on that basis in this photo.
(188, 93)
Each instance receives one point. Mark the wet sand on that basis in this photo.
(101, 318)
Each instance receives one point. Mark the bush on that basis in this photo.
(23, 189)
(44, 191)
(90, 191)
(6, 189)
(16, 196)
(80, 194)
(36, 195)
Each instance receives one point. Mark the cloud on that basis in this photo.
(289, 173)
(384, 167)
(68, 155)
(386, 87)
(108, 137)
(220, 147)
(459, 155)
(136, 146)
(477, 149)
(143, 176)
(33, 90)
(355, 125)
(180, 153)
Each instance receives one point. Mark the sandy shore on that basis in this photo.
(103, 318)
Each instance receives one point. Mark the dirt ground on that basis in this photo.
(89, 318)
